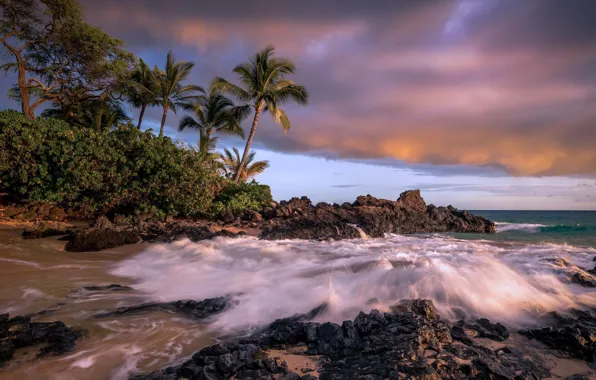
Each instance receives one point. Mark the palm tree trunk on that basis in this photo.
(163, 120)
(143, 107)
(251, 136)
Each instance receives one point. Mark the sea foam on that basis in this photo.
(275, 279)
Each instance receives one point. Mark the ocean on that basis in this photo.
(510, 277)
(576, 228)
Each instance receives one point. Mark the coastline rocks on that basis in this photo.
(465, 331)
(299, 219)
(54, 338)
(575, 274)
(410, 342)
(197, 309)
(573, 334)
(33, 211)
(94, 239)
(111, 287)
(45, 229)
(105, 234)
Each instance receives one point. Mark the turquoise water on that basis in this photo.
(577, 228)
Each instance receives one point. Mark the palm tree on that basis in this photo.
(141, 89)
(172, 94)
(264, 84)
(214, 113)
(92, 113)
(231, 163)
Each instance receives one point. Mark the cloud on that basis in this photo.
(346, 186)
(435, 84)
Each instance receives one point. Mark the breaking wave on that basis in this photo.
(274, 279)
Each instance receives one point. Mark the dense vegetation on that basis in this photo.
(122, 170)
(85, 154)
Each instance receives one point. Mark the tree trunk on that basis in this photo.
(21, 80)
(24, 91)
(143, 107)
(163, 120)
(99, 117)
(251, 136)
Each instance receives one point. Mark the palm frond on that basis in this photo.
(231, 89)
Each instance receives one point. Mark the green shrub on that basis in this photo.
(238, 197)
(123, 170)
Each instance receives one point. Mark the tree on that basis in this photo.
(58, 57)
(264, 84)
(172, 94)
(93, 113)
(232, 162)
(142, 90)
(214, 113)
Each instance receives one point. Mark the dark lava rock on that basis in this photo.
(465, 331)
(573, 333)
(299, 219)
(111, 287)
(54, 338)
(33, 211)
(228, 361)
(196, 309)
(193, 232)
(575, 274)
(94, 239)
(410, 342)
(45, 229)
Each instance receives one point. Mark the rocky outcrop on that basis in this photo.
(572, 333)
(53, 338)
(196, 309)
(103, 288)
(45, 229)
(95, 239)
(105, 234)
(299, 219)
(575, 274)
(33, 211)
(410, 342)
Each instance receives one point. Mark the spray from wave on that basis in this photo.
(275, 279)
(526, 227)
(535, 227)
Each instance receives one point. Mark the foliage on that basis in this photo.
(231, 163)
(238, 197)
(214, 113)
(59, 57)
(92, 113)
(264, 83)
(172, 94)
(122, 170)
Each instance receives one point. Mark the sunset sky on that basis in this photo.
(485, 104)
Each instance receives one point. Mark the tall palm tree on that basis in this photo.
(214, 113)
(172, 93)
(231, 164)
(142, 89)
(264, 85)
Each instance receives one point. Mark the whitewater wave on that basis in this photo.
(280, 278)
(527, 227)
(534, 227)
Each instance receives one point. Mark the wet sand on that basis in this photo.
(39, 276)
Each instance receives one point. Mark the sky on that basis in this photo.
(483, 104)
